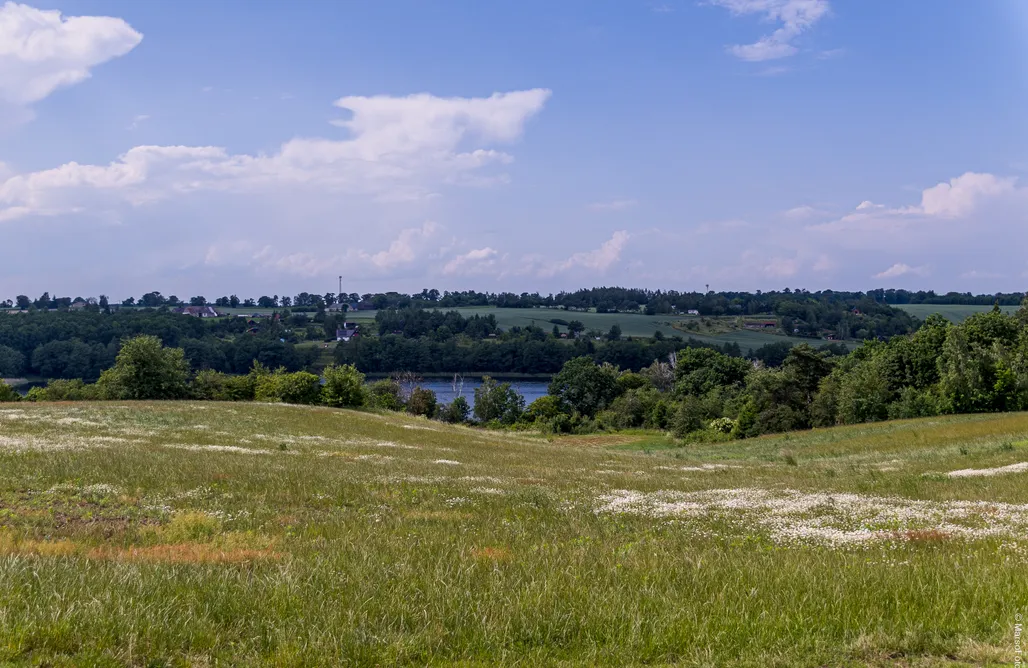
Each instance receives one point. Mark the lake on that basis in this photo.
(529, 389)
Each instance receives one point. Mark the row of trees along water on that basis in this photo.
(697, 393)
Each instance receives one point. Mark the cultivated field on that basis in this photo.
(249, 534)
(953, 312)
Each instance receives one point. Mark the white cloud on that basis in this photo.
(138, 120)
(399, 149)
(959, 196)
(900, 269)
(613, 205)
(404, 248)
(473, 262)
(951, 200)
(598, 260)
(41, 51)
(795, 16)
(800, 212)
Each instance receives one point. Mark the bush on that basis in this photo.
(914, 403)
(209, 385)
(543, 409)
(344, 387)
(724, 425)
(422, 402)
(584, 386)
(145, 370)
(385, 394)
(694, 413)
(8, 393)
(633, 409)
(498, 402)
(64, 390)
(456, 412)
(301, 387)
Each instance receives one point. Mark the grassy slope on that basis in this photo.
(952, 312)
(298, 536)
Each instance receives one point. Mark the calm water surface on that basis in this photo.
(529, 389)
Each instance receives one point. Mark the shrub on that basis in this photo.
(59, 389)
(693, 414)
(8, 393)
(209, 385)
(914, 403)
(456, 412)
(144, 369)
(422, 402)
(584, 386)
(543, 409)
(385, 394)
(633, 408)
(724, 425)
(498, 402)
(344, 387)
(301, 387)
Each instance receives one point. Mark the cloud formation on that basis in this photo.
(901, 269)
(795, 17)
(41, 51)
(399, 148)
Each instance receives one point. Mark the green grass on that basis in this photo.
(249, 534)
(956, 313)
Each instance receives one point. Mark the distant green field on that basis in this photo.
(953, 312)
(631, 324)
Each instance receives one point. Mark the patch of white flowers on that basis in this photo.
(999, 470)
(792, 517)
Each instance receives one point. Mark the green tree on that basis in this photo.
(498, 402)
(422, 402)
(456, 412)
(144, 369)
(12, 362)
(584, 386)
(8, 393)
(344, 386)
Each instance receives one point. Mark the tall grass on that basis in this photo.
(245, 534)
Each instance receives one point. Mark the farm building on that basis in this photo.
(198, 311)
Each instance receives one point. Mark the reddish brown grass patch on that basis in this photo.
(491, 553)
(923, 535)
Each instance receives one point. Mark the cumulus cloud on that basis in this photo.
(473, 262)
(795, 17)
(901, 269)
(399, 148)
(959, 196)
(597, 261)
(404, 248)
(41, 51)
(950, 200)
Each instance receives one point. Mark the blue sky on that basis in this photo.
(251, 147)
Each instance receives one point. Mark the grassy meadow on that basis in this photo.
(956, 313)
(263, 534)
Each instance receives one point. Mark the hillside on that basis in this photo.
(955, 313)
(285, 535)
